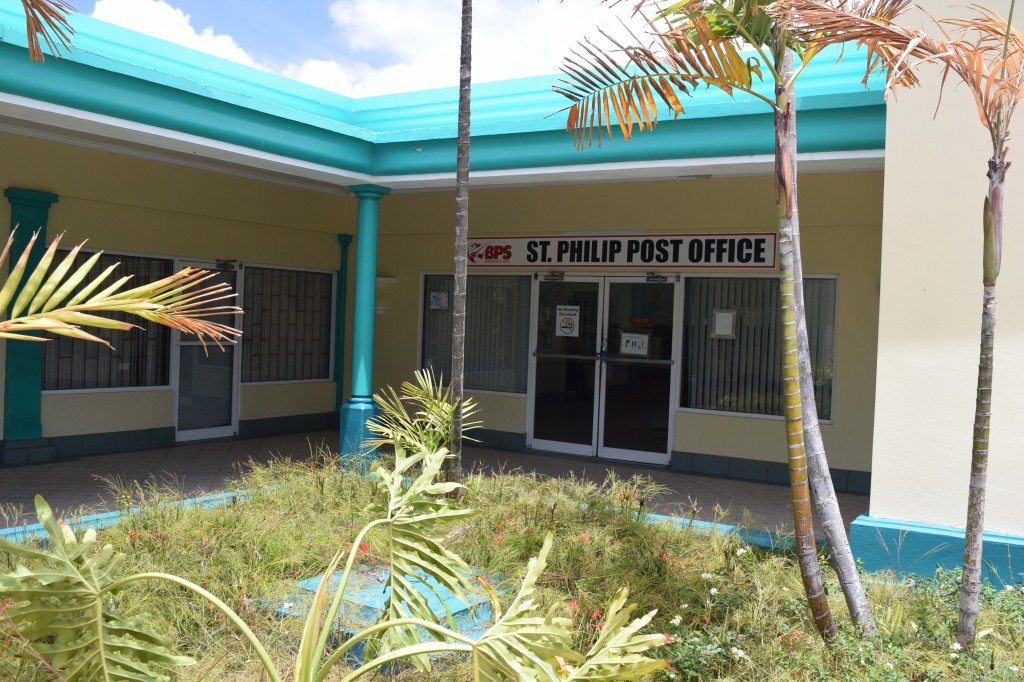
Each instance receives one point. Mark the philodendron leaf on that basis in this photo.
(620, 652)
(415, 509)
(522, 645)
(62, 606)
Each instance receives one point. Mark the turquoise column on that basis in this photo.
(23, 363)
(340, 307)
(360, 405)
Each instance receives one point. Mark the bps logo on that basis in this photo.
(489, 253)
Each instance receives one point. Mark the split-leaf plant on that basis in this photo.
(60, 603)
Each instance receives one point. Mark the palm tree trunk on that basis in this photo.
(785, 194)
(453, 467)
(970, 584)
(823, 493)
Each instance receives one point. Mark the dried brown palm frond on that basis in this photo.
(982, 50)
(623, 84)
(60, 298)
(47, 19)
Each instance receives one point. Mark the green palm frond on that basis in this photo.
(62, 607)
(414, 511)
(695, 42)
(421, 417)
(522, 645)
(47, 19)
(45, 299)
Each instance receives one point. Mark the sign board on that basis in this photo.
(633, 344)
(567, 320)
(666, 251)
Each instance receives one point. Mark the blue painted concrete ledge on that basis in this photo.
(911, 548)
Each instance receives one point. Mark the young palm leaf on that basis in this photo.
(47, 19)
(62, 607)
(39, 300)
(987, 54)
(428, 425)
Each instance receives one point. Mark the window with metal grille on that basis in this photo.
(497, 330)
(287, 325)
(732, 338)
(139, 357)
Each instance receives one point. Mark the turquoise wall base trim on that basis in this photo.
(273, 426)
(41, 450)
(498, 440)
(907, 547)
(353, 433)
(844, 480)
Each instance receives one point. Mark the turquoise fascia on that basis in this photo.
(912, 548)
(517, 123)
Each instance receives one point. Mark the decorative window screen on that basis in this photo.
(287, 325)
(741, 371)
(140, 357)
(497, 330)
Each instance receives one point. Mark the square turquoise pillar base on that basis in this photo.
(354, 434)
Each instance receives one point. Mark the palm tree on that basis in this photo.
(47, 20)
(61, 299)
(695, 42)
(453, 467)
(987, 54)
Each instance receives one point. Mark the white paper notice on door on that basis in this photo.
(567, 320)
(633, 344)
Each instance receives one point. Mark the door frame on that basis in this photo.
(227, 431)
(596, 448)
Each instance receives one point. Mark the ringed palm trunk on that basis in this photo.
(970, 585)
(792, 317)
(453, 467)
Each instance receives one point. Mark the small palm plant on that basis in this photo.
(59, 298)
(59, 601)
(423, 415)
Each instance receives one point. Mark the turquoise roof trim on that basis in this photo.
(516, 124)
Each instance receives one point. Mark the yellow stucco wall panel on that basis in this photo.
(262, 401)
(500, 412)
(71, 414)
(930, 314)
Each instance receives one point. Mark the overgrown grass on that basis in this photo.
(737, 611)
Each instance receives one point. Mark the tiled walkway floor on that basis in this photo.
(208, 466)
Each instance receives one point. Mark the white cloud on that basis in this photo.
(390, 46)
(160, 20)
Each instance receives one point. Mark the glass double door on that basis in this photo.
(603, 371)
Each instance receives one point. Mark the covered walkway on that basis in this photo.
(210, 466)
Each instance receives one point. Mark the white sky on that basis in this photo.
(384, 46)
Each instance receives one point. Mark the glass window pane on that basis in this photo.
(497, 330)
(140, 357)
(732, 355)
(287, 325)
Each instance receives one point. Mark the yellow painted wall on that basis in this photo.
(70, 414)
(262, 401)
(136, 205)
(841, 216)
(501, 412)
(930, 315)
